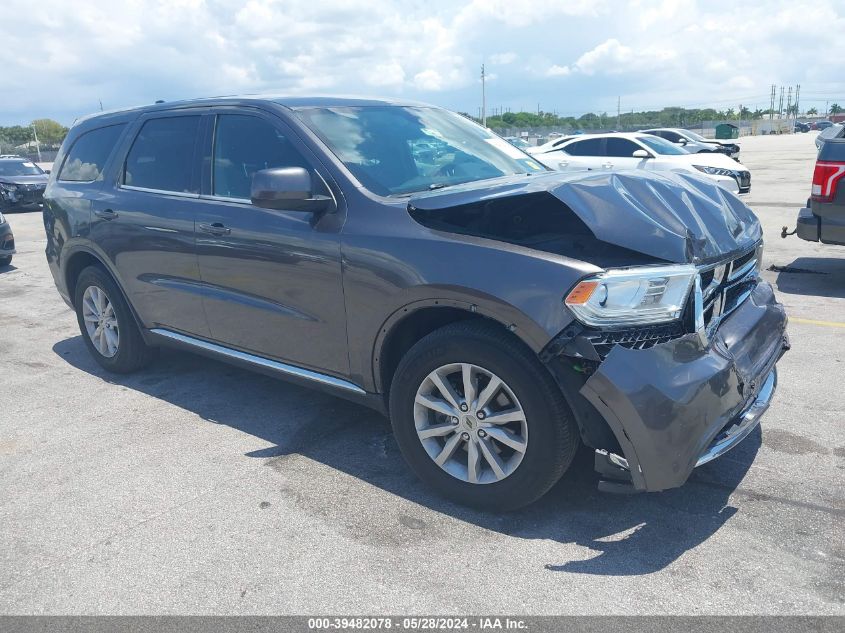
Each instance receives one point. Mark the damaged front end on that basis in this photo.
(676, 396)
(669, 359)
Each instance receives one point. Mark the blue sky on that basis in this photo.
(61, 59)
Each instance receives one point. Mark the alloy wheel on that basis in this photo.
(470, 423)
(100, 321)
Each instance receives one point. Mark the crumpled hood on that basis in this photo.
(676, 217)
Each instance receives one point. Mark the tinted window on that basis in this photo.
(88, 155)
(244, 145)
(589, 147)
(621, 147)
(672, 136)
(162, 156)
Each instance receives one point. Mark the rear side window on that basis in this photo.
(244, 145)
(162, 155)
(590, 147)
(89, 153)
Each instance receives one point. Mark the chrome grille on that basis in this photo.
(722, 288)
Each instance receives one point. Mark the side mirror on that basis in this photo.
(683, 141)
(46, 171)
(288, 189)
(641, 153)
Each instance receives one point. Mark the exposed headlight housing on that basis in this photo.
(632, 296)
(714, 171)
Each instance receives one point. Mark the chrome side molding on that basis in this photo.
(259, 361)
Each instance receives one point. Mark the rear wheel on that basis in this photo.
(479, 418)
(5, 261)
(107, 325)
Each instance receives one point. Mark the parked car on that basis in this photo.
(801, 126)
(22, 184)
(620, 151)
(499, 312)
(822, 125)
(823, 219)
(7, 242)
(695, 143)
(837, 130)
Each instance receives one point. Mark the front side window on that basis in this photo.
(661, 146)
(621, 147)
(589, 147)
(244, 145)
(162, 156)
(672, 137)
(88, 155)
(398, 150)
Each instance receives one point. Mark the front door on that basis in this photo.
(272, 278)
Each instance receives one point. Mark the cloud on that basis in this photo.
(652, 52)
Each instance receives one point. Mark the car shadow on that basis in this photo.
(816, 276)
(8, 268)
(630, 534)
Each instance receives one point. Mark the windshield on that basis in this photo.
(396, 150)
(19, 168)
(694, 136)
(661, 145)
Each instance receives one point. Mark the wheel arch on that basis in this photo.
(412, 322)
(82, 258)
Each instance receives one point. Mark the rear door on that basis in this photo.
(146, 224)
(587, 154)
(272, 278)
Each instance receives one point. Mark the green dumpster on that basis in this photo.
(727, 130)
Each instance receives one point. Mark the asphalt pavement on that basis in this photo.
(197, 488)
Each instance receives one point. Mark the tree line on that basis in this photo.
(667, 117)
(50, 135)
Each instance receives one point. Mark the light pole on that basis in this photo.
(37, 144)
(483, 98)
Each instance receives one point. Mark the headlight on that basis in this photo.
(632, 296)
(8, 187)
(714, 171)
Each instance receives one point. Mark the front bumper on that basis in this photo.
(684, 402)
(23, 197)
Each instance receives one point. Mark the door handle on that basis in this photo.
(105, 214)
(217, 228)
(607, 165)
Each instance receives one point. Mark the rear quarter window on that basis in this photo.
(88, 154)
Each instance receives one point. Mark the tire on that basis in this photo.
(130, 352)
(551, 436)
(5, 261)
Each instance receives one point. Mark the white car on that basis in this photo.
(618, 151)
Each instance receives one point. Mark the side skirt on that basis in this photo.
(305, 377)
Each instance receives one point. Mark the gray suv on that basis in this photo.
(403, 257)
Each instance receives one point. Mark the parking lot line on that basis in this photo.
(815, 322)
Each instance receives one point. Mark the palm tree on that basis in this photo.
(812, 111)
(835, 108)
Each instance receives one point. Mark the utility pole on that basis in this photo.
(37, 144)
(825, 108)
(789, 103)
(483, 98)
(797, 92)
(772, 105)
(618, 112)
(780, 103)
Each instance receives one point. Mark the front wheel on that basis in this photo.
(5, 261)
(479, 418)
